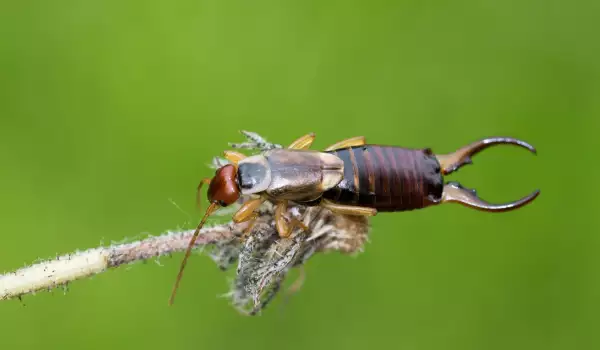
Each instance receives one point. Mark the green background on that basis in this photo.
(110, 109)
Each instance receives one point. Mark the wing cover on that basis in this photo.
(302, 175)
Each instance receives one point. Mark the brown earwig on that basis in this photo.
(349, 177)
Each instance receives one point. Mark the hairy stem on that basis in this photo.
(60, 271)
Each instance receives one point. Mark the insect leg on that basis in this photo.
(250, 226)
(247, 213)
(283, 228)
(353, 141)
(233, 156)
(303, 142)
(348, 209)
(247, 210)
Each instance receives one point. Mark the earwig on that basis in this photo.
(349, 177)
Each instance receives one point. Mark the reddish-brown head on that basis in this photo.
(223, 189)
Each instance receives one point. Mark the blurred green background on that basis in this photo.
(110, 109)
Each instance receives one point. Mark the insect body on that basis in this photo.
(349, 177)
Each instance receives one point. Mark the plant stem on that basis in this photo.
(60, 271)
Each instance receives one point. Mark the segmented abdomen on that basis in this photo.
(387, 178)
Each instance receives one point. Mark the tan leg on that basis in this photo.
(248, 213)
(233, 156)
(283, 228)
(304, 142)
(348, 209)
(204, 181)
(353, 141)
(250, 226)
(247, 210)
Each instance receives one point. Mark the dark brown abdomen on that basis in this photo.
(387, 178)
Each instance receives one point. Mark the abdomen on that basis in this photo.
(387, 178)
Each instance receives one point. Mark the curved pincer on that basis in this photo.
(454, 192)
(453, 161)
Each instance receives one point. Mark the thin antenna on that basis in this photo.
(209, 211)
